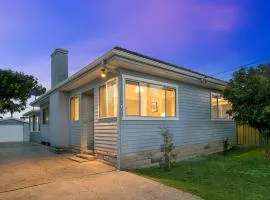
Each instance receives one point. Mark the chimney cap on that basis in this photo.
(59, 50)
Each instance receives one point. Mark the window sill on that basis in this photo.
(100, 118)
(74, 121)
(151, 118)
(225, 120)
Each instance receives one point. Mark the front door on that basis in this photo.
(87, 122)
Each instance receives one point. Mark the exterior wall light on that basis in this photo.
(103, 73)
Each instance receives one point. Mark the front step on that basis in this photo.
(86, 157)
(89, 152)
(77, 159)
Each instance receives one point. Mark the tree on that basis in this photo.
(15, 89)
(249, 93)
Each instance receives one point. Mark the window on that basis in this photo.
(46, 115)
(152, 100)
(108, 100)
(34, 123)
(132, 98)
(144, 99)
(170, 102)
(38, 123)
(74, 108)
(219, 107)
(31, 123)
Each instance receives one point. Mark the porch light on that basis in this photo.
(103, 73)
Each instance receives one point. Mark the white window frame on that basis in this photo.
(216, 119)
(139, 79)
(105, 83)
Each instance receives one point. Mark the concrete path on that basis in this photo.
(33, 172)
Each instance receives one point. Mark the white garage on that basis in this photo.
(14, 130)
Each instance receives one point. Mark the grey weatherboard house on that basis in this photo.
(114, 107)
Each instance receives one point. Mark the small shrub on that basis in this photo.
(226, 145)
(168, 156)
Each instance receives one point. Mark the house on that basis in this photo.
(14, 130)
(116, 105)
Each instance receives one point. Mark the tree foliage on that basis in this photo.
(249, 93)
(15, 89)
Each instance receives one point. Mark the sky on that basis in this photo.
(209, 36)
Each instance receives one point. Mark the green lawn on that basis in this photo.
(241, 174)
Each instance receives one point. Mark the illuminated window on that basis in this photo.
(149, 100)
(170, 102)
(219, 107)
(74, 109)
(132, 98)
(46, 115)
(152, 100)
(108, 100)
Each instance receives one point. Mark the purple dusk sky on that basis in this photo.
(203, 35)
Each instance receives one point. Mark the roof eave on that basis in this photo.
(74, 76)
(130, 55)
(169, 67)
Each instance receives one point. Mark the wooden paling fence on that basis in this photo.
(247, 135)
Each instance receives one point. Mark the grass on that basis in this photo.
(240, 174)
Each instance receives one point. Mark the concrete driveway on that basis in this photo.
(31, 171)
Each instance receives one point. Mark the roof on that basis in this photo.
(13, 119)
(119, 51)
(31, 112)
(164, 62)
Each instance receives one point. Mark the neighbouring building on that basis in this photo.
(14, 130)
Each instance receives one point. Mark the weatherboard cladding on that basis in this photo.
(105, 130)
(193, 127)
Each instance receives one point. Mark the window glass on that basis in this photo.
(223, 107)
(31, 123)
(38, 123)
(149, 100)
(46, 115)
(220, 106)
(214, 107)
(108, 100)
(34, 123)
(111, 99)
(102, 101)
(132, 97)
(74, 108)
(170, 102)
(152, 100)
